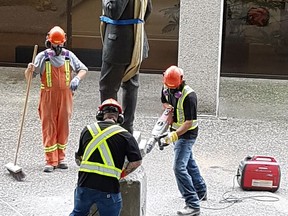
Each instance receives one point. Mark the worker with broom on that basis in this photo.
(60, 72)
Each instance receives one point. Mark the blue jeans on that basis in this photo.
(108, 204)
(189, 180)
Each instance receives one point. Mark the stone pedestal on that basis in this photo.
(134, 189)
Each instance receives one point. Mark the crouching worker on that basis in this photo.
(103, 147)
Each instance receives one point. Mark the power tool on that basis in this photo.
(259, 173)
(160, 130)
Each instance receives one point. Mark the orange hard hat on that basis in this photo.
(56, 35)
(173, 77)
(110, 103)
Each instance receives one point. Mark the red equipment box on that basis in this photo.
(259, 173)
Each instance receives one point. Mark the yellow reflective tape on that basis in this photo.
(180, 110)
(50, 148)
(109, 153)
(99, 142)
(178, 125)
(61, 146)
(102, 154)
(67, 72)
(99, 138)
(91, 163)
(99, 172)
(48, 73)
(94, 167)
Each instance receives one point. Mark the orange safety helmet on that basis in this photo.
(110, 102)
(173, 77)
(56, 36)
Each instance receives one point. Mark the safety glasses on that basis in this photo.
(110, 109)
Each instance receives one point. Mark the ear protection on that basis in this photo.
(100, 117)
(47, 43)
(177, 94)
(57, 49)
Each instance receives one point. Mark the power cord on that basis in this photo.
(231, 199)
(5, 195)
(15, 210)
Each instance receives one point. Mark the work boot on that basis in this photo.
(189, 211)
(62, 165)
(202, 196)
(48, 168)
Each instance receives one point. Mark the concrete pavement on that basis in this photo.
(252, 121)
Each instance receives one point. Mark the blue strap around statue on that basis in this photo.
(120, 22)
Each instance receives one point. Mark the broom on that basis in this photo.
(15, 170)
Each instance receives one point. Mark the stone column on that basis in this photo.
(200, 38)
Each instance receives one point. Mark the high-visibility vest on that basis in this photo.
(48, 69)
(180, 110)
(99, 141)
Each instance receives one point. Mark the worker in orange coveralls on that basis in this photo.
(60, 72)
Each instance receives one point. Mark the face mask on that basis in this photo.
(57, 49)
(175, 92)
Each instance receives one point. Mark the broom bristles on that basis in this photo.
(19, 176)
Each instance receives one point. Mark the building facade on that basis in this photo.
(254, 33)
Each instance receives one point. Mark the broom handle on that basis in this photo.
(25, 104)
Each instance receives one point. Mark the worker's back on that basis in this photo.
(121, 145)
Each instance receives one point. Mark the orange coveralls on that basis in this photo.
(55, 109)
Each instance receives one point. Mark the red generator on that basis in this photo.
(259, 173)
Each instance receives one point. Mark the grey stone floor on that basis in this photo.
(252, 121)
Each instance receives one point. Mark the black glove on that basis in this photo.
(78, 159)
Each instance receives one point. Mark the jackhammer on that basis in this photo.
(160, 130)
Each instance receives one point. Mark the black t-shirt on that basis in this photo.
(121, 144)
(190, 110)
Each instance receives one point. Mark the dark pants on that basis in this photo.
(110, 83)
(108, 204)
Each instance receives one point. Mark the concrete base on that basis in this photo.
(134, 189)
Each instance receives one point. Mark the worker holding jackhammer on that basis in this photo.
(60, 73)
(177, 95)
(125, 45)
(103, 147)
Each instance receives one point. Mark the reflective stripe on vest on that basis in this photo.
(180, 110)
(99, 142)
(48, 68)
(67, 68)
